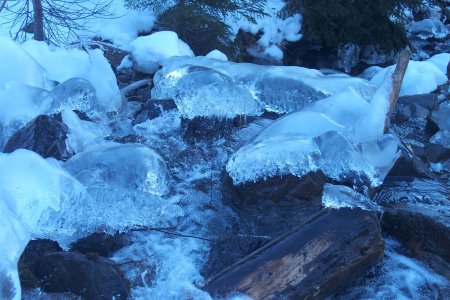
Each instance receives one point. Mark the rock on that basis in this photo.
(45, 135)
(270, 207)
(310, 262)
(201, 128)
(153, 109)
(32, 252)
(428, 101)
(436, 153)
(417, 213)
(88, 277)
(99, 243)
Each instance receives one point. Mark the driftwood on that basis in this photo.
(397, 80)
(310, 262)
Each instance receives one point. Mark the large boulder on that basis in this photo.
(312, 261)
(45, 135)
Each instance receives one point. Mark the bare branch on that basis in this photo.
(2, 5)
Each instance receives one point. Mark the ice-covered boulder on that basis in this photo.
(74, 94)
(130, 166)
(30, 189)
(339, 196)
(278, 89)
(149, 52)
(333, 153)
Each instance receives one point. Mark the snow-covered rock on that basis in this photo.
(216, 54)
(149, 52)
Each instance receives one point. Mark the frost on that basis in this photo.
(129, 166)
(339, 196)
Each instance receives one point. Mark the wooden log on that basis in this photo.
(310, 262)
(397, 81)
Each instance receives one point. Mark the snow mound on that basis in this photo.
(149, 52)
(129, 166)
(441, 61)
(421, 77)
(216, 54)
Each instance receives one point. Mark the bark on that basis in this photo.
(38, 16)
(310, 262)
(397, 80)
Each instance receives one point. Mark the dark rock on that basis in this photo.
(88, 277)
(417, 213)
(99, 243)
(436, 153)
(428, 101)
(153, 109)
(310, 262)
(32, 252)
(270, 207)
(45, 135)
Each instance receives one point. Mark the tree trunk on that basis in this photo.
(310, 262)
(38, 15)
(397, 80)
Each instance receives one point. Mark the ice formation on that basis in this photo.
(130, 166)
(339, 196)
(74, 94)
(428, 28)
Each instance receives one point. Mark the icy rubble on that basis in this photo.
(278, 89)
(428, 28)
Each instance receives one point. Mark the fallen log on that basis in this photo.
(310, 262)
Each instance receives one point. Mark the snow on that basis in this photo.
(149, 52)
(274, 28)
(428, 28)
(63, 64)
(216, 54)
(421, 77)
(441, 61)
(18, 65)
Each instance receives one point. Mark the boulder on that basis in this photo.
(45, 135)
(311, 261)
(417, 213)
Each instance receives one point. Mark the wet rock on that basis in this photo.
(270, 207)
(417, 213)
(31, 254)
(88, 277)
(428, 101)
(153, 109)
(99, 243)
(436, 153)
(201, 128)
(45, 135)
(310, 262)
(410, 165)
